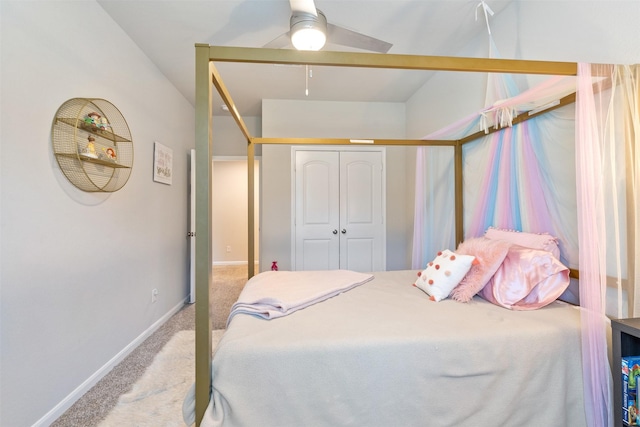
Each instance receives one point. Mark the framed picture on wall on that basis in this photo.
(162, 163)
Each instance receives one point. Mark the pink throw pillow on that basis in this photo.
(489, 254)
(544, 241)
(527, 279)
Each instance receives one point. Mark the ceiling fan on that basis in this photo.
(309, 30)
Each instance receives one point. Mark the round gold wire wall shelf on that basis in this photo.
(92, 144)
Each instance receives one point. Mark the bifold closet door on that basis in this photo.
(338, 211)
(317, 210)
(361, 211)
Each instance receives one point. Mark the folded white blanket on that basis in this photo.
(274, 294)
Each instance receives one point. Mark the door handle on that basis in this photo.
(335, 231)
(344, 231)
(191, 234)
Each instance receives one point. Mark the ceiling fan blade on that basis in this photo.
(345, 37)
(307, 6)
(279, 42)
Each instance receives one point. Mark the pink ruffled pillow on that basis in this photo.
(489, 254)
(544, 241)
(527, 279)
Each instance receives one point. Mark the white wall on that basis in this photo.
(230, 210)
(595, 31)
(77, 269)
(323, 119)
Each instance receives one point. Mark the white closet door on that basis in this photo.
(339, 210)
(317, 210)
(361, 211)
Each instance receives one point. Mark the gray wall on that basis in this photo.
(228, 140)
(322, 119)
(77, 269)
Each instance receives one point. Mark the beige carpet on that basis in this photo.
(228, 281)
(156, 399)
(98, 402)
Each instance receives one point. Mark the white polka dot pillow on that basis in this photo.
(443, 274)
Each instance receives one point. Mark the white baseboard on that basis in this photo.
(76, 394)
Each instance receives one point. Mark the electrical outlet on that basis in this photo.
(228, 248)
(154, 295)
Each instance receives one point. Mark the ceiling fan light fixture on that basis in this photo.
(308, 39)
(308, 32)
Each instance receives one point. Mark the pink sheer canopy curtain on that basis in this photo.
(607, 161)
(591, 203)
(510, 178)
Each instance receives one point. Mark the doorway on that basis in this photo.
(230, 210)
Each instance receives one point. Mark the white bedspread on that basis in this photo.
(383, 355)
(274, 294)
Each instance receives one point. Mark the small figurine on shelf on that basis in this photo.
(91, 147)
(274, 266)
(103, 124)
(91, 120)
(111, 153)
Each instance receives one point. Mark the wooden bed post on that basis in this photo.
(459, 208)
(204, 153)
(251, 151)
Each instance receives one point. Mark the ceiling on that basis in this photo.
(167, 31)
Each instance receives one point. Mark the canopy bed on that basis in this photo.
(563, 325)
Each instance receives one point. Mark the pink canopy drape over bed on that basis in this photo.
(607, 158)
(518, 188)
(588, 200)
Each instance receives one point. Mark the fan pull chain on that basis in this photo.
(307, 75)
(306, 81)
